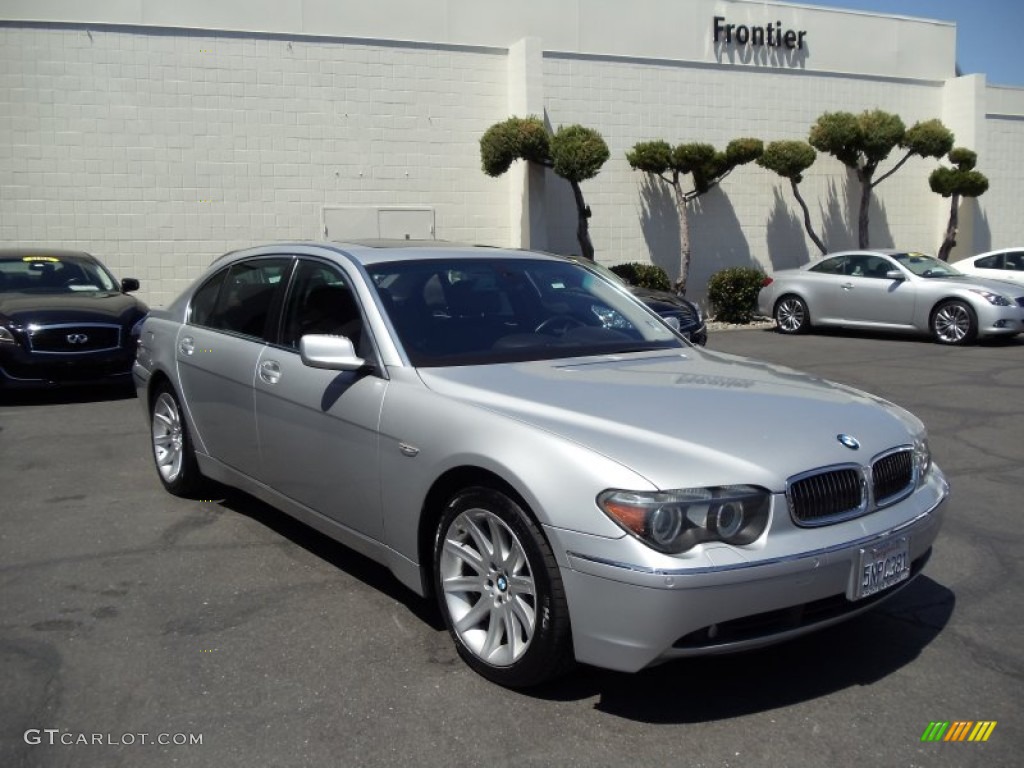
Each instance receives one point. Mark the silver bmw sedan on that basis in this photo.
(521, 439)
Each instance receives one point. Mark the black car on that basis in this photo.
(64, 319)
(670, 306)
(682, 314)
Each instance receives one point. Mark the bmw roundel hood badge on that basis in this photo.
(849, 441)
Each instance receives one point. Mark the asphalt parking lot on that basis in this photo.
(128, 612)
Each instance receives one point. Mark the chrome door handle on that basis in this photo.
(187, 345)
(270, 371)
(847, 286)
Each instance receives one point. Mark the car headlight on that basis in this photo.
(6, 337)
(922, 459)
(992, 298)
(675, 521)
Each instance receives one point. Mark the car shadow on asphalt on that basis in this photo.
(67, 395)
(371, 573)
(857, 652)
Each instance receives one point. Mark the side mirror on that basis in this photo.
(895, 274)
(334, 353)
(129, 284)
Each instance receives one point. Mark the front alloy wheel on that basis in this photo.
(954, 322)
(791, 315)
(499, 590)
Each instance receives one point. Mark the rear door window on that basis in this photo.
(244, 298)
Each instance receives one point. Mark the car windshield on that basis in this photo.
(53, 274)
(479, 311)
(926, 266)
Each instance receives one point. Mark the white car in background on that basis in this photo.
(1004, 264)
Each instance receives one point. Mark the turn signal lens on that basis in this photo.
(922, 459)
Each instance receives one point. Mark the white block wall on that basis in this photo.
(1001, 222)
(160, 150)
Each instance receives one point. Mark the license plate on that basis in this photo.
(880, 567)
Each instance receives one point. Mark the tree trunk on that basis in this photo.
(807, 218)
(684, 238)
(865, 205)
(949, 241)
(582, 223)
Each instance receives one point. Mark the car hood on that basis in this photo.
(75, 307)
(687, 419)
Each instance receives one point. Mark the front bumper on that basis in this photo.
(23, 370)
(1000, 321)
(627, 617)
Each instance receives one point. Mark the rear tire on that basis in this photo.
(954, 322)
(173, 453)
(791, 315)
(499, 590)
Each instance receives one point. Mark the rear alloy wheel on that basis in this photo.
(954, 322)
(499, 590)
(172, 447)
(791, 315)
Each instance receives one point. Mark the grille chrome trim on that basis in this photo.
(893, 475)
(64, 329)
(840, 492)
(828, 495)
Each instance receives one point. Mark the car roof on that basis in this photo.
(870, 251)
(57, 253)
(993, 253)
(369, 252)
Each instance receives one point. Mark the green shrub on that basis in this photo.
(733, 293)
(643, 275)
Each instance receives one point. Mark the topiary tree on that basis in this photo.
(573, 152)
(959, 181)
(708, 168)
(861, 142)
(789, 159)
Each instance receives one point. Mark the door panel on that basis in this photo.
(217, 353)
(318, 437)
(869, 297)
(318, 428)
(216, 372)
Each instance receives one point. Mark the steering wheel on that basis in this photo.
(557, 325)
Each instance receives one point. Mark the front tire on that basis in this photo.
(791, 315)
(499, 590)
(954, 322)
(173, 453)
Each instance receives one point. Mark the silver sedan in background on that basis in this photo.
(894, 291)
(521, 438)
